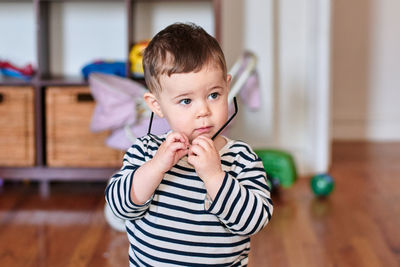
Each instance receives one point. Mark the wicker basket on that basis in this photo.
(70, 143)
(17, 146)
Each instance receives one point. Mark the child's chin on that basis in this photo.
(208, 135)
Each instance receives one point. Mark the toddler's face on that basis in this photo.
(195, 103)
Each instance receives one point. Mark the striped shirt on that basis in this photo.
(180, 225)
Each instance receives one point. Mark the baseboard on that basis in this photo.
(364, 129)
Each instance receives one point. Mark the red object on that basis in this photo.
(26, 70)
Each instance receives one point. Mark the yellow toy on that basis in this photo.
(136, 56)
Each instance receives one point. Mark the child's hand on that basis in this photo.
(205, 159)
(171, 151)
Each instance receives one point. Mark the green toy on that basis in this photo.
(278, 165)
(322, 185)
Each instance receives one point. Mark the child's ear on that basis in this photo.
(228, 80)
(152, 102)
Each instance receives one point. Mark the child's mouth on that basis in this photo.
(203, 130)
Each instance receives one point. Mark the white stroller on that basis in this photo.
(122, 98)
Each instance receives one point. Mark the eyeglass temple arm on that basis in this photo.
(226, 123)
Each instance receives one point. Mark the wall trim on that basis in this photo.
(366, 129)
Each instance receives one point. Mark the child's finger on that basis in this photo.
(196, 150)
(182, 152)
(204, 142)
(177, 146)
(178, 137)
(186, 139)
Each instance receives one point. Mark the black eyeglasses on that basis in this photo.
(212, 138)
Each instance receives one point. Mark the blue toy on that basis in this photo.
(108, 67)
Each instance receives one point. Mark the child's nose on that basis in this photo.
(204, 110)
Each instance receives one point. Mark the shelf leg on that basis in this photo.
(44, 189)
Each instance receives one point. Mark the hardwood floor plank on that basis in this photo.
(85, 248)
(366, 253)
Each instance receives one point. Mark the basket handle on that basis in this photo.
(84, 97)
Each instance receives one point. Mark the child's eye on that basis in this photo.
(185, 101)
(213, 95)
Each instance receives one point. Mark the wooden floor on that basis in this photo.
(358, 225)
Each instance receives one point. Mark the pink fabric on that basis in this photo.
(117, 99)
(121, 139)
(250, 92)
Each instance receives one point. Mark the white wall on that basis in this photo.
(366, 70)
(150, 18)
(80, 33)
(17, 33)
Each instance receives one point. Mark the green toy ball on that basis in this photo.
(322, 185)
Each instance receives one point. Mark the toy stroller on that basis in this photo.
(121, 108)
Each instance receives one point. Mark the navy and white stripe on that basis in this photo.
(179, 224)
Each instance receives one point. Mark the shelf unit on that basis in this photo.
(44, 79)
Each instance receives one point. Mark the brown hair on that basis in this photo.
(180, 48)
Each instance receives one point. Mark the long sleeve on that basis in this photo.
(243, 203)
(118, 190)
